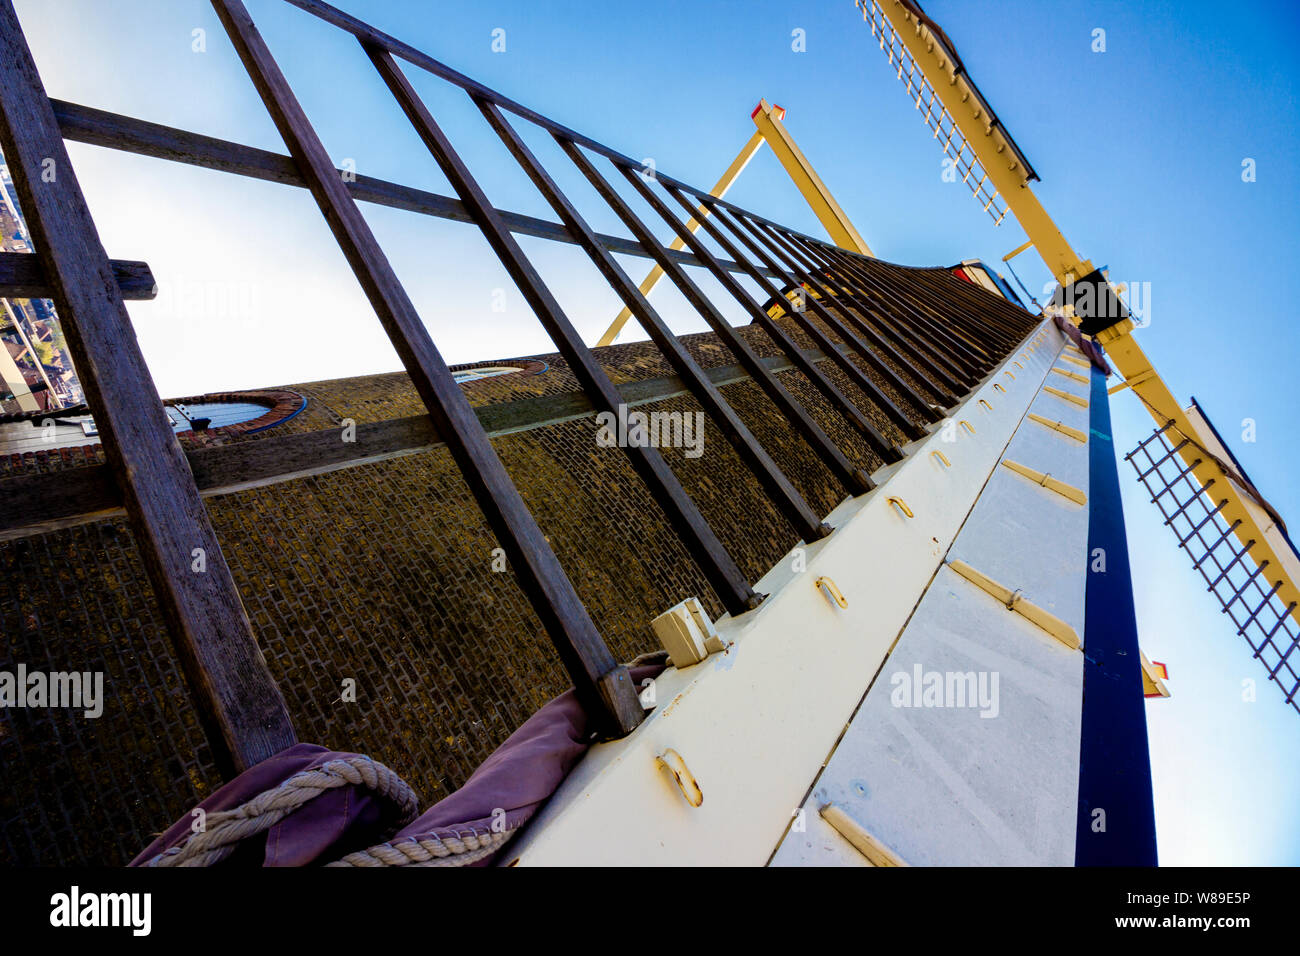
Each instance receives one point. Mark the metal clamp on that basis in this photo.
(828, 588)
(901, 505)
(686, 781)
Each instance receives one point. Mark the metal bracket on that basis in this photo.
(686, 782)
(687, 633)
(829, 588)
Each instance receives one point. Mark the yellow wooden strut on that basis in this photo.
(768, 120)
(719, 190)
(1002, 162)
(773, 132)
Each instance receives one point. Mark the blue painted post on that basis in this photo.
(1116, 825)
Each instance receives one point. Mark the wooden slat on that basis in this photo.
(681, 513)
(84, 124)
(36, 503)
(237, 700)
(1067, 396)
(847, 326)
(1060, 427)
(890, 318)
(851, 370)
(1016, 601)
(377, 39)
(22, 276)
(972, 341)
(938, 338)
(876, 853)
(859, 314)
(779, 490)
(1047, 481)
(853, 478)
(762, 374)
(601, 683)
(850, 412)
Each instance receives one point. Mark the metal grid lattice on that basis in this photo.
(935, 115)
(1240, 584)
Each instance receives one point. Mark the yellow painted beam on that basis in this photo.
(1017, 250)
(1060, 427)
(996, 154)
(1256, 524)
(768, 120)
(1073, 376)
(719, 189)
(877, 853)
(1153, 684)
(1015, 601)
(1068, 396)
(1047, 481)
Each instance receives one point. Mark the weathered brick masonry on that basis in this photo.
(380, 573)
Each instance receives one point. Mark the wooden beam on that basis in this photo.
(37, 503)
(238, 702)
(869, 846)
(785, 403)
(719, 189)
(685, 519)
(603, 686)
(84, 124)
(847, 409)
(775, 484)
(22, 276)
(815, 192)
(854, 479)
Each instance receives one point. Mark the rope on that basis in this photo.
(226, 829)
(1012, 269)
(430, 850)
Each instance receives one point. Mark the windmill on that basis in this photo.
(1234, 538)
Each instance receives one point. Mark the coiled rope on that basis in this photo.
(459, 850)
(224, 830)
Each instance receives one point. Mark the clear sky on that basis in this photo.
(1140, 149)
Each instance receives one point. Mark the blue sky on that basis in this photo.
(1140, 150)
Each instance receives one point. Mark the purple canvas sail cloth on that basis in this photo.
(1085, 345)
(499, 797)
